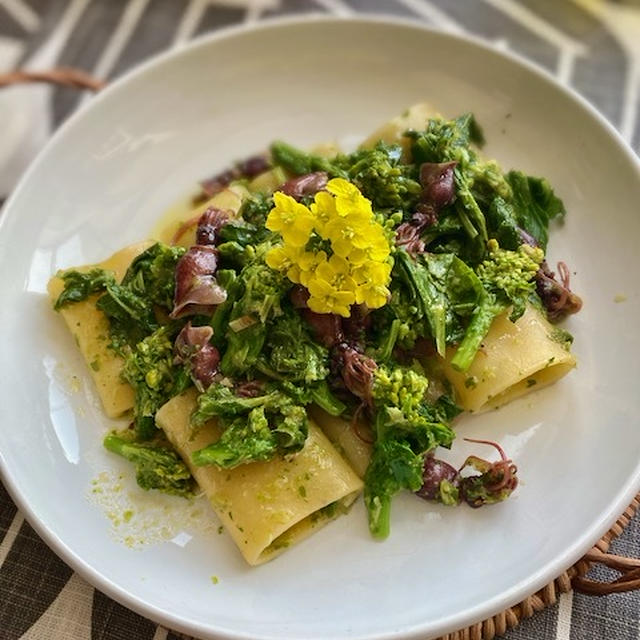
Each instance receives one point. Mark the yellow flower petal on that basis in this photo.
(319, 288)
(282, 257)
(294, 274)
(277, 259)
(357, 269)
(357, 257)
(324, 209)
(297, 235)
(373, 297)
(325, 298)
(349, 201)
(342, 188)
(292, 219)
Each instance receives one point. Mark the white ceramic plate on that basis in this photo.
(141, 145)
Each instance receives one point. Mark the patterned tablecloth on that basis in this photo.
(592, 45)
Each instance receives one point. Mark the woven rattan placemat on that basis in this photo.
(575, 577)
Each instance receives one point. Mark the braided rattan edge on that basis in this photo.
(61, 76)
(574, 576)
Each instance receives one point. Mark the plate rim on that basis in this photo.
(564, 559)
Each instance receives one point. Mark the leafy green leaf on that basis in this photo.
(255, 428)
(150, 370)
(290, 351)
(79, 286)
(243, 440)
(535, 205)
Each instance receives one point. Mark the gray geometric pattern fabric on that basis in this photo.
(593, 46)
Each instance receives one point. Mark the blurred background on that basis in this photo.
(591, 45)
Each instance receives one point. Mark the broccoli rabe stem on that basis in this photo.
(299, 162)
(322, 396)
(157, 467)
(120, 446)
(465, 197)
(379, 512)
(145, 427)
(390, 340)
(478, 328)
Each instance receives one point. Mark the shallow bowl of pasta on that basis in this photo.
(125, 166)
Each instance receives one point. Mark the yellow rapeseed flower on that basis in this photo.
(357, 269)
(373, 273)
(349, 200)
(286, 258)
(373, 296)
(337, 272)
(308, 264)
(378, 248)
(325, 298)
(292, 219)
(346, 235)
(323, 209)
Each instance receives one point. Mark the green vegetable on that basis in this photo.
(508, 275)
(254, 429)
(255, 208)
(300, 162)
(150, 370)
(508, 280)
(79, 286)
(381, 176)
(462, 228)
(233, 254)
(388, 341)
(399, 387)
(157, 467)
(245, 439)
(322, 396)
(448, 141)
(291, 353)
(130, 305)
(244, 233)
(535, 205)
(219, 400)
(503, 224)
(151, 274)
(379, 172)
(407, 428)
(442, 290)
(131, 317)
(256, 294)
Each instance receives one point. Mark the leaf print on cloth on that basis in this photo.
(112, 621)
(7, 512)
(31, 578)
(69, 615)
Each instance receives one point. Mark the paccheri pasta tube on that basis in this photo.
(515, 358)
(265, 506)
(353, 439)
(301, 302)
(90, 329)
